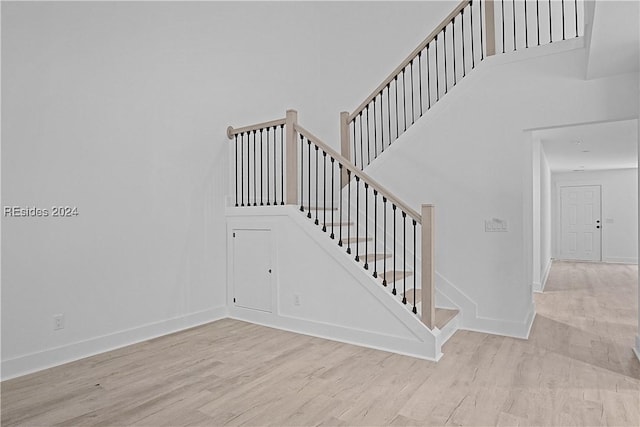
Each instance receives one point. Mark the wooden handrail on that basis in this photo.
(231, 131)
(357, 172)
(446, 21)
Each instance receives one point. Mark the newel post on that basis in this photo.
(291, 149)
(428, 266)
(345, 144)
(490, 27)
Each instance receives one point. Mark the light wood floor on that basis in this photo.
(577, 368)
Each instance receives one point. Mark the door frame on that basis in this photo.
(557, 220)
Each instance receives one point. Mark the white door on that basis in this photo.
(252, 269)
(580, 223)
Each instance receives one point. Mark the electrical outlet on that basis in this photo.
(58, 322)
(296, 299)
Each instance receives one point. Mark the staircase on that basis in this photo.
(281, 163)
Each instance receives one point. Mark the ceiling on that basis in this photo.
(594, 146)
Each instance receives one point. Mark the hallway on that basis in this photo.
(577, 368)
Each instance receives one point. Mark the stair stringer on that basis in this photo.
(289, 223)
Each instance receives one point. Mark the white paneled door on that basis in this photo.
(252, 269)
(580, 223)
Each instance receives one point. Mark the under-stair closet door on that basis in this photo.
(252, 269)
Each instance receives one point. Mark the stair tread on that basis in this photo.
(444, 316)
(399, 275)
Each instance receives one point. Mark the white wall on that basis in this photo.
(619, 210)
(470, 157)
(121, 109)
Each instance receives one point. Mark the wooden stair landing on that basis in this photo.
(444, 316)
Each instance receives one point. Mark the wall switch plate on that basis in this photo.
(296, 299)
(496, 225)
(58, 322)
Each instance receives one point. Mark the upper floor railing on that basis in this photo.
(465, 37)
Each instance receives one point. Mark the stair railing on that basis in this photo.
(464, 38)
(280, 162)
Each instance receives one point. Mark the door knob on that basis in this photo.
(597, 221)
(597, 226)
(269, 270)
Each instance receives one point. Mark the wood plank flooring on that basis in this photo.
(577, 368)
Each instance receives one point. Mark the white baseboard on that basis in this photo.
(38, 361)
(620, 260)
(539, 287)
(471, 321)
(347, 335)
(503, 327)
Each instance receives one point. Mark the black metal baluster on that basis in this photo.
(316, 222)
(526, 27)
(404, 100)
(437, 72)
(375, 233)
(550, 25)
(397, 128)
(473, 55)
(255, 188)
(357, 215)
(444, 48)
(388, 112)
(275, 162)
(282, 165)
(309, 188)
(453, 43)
(261, 170)
(481, 31)
(361, 144)
(340, 206)
(268, 203)
(324, 191)
(562, 4)
(333, 172)
(366, 225)
(236, 166)
(394, 249)
(248, 168)
(355, 151)
(301, 173)
(503, 41)
(420, 79)
(404, 257)
(415, 311)
(348, 211)
(576, 13)
(384, 241)
(514, 24)
(413, 114)
(538, 20)
(375, 127)
(368, 144)
(464, 60)
(428, 80)
(242, 168)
